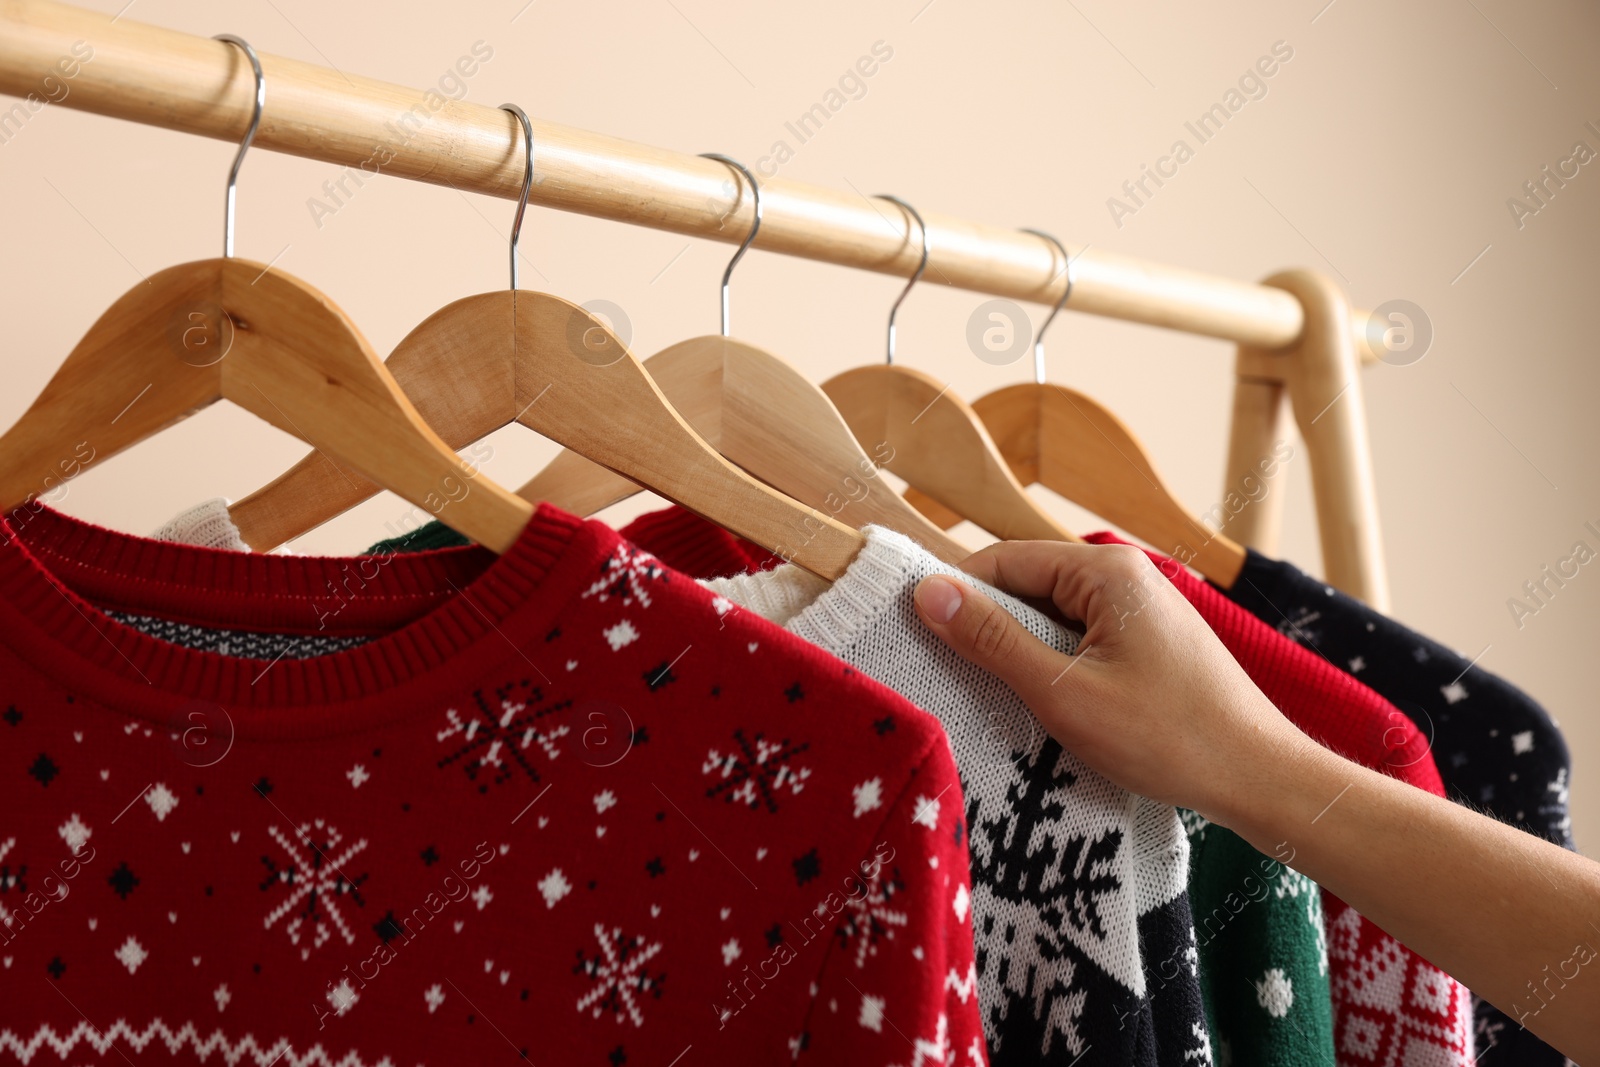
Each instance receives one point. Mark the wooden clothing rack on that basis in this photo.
(1298, 339)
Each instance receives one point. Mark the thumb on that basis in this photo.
(989, 636)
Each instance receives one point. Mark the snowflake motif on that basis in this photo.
(757, 771)
(494, 740)
(553, 887)
(222, 996)
(868, 796)
(434, 995)
(342, 997)
(1275, 992)
(161, 800)
(314, 875)
(75, 832)
(870, 1016)
(624, 575)
(621, 635)
(617, 971)
(131, 954)
(868, 920)
(926, 812)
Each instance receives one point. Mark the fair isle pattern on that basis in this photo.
(1077, 885)
(242, 1049)
(359, 878)
(1395, 1008)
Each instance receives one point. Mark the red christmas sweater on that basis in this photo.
(1390, 1005)
(563, 809)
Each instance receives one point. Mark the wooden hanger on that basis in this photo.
(765, 416)
(489, 360)
(933, 439)
(233, 329)
(1061, 439)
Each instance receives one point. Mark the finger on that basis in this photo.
(1089, 583)
(987, 635)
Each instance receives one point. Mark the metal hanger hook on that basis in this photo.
(755, 227)
(1038, 340)
(527, 183)
(922, 266)
(249, 135)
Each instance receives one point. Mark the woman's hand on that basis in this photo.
(1152, 700)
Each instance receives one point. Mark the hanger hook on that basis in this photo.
(1038, 340)
(755, 227)
(249, 135)
(922, 266)
(527, 183)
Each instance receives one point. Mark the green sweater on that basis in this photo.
(1263, 953)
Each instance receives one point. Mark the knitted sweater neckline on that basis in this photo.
(438, 615)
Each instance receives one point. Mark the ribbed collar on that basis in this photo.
(831, 616)
(442, 616)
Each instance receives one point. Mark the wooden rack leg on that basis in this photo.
(1321, 373)
(1258, 459)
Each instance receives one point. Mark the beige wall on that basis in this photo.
(1383, 153)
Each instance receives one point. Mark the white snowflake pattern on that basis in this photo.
(867, 920)
(342, 997)
(74, 832)
(496, 737)
(482, 895)
(358, 775)
(868, 796)
(730, 951)
(618, 975)
(871, 1014)
(1521, 742)
(604, 801)
(131, 954)
(553, 887)
(1275, 992)
(161, 800)
(961, 902)
(221, 996)
(1454, 693)
(434, 995)
(756, 771)
(621, 635)
(1358, 664)
(315, 877)
(926, 812)
(624, 574)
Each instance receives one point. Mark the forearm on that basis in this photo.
(1513, 917)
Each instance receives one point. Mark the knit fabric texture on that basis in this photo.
(1498, 751)
(1085, 944)
(206, 525)
(1389, 1004)
(563, 802)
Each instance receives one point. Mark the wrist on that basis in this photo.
(1277, 784)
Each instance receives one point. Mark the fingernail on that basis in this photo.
(939, 598)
